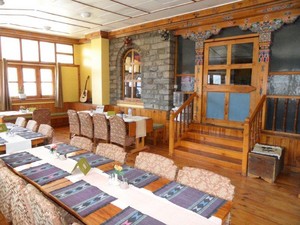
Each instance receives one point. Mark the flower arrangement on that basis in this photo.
(118, 170)
(53, 148)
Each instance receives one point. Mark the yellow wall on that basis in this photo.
(70, 83)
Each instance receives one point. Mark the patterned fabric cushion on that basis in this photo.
(112, 152)
(118, 134)
(82, 142)
(100, 127)
(8, 188)
(32, 125)
(156, 164)
(74, 123)
(86, 125)
(47, 131)
(20, 121)
(42, 116)
(206, 181)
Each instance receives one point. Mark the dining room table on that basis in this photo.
(18, 138)
(9, 116)
(105, 199)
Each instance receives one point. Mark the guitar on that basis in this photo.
(83, 96)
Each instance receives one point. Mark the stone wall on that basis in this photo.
(157, 58)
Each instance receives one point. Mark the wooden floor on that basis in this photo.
(256, 202)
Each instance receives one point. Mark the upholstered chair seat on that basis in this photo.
(82, 142)
(48, 132)
(111, 151)
(156, 164)
(32, 125)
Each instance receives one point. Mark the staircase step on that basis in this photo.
(198, 156)
(215, 138)
(217, 149)
(220, 130)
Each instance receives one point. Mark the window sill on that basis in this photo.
(17, 101)
(134, 103)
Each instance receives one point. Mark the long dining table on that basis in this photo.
(119, 201)
(7, 116)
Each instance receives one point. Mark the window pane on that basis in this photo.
(240, 76)
(46, 75)
(64, 48)
(12, 74)
(216, 77)
(217, 55)
(65, 58)
(242, 53)
(30, 50)
(28, 74)
(13, 89)
(10, 48)
(47, 89)
(30, 89)
(47, 52)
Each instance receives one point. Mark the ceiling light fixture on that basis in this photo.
(2, 2)
(85, 14)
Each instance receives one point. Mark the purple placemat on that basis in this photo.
(2, 141)
(83, 197)
(136, 177)
(19, 159)
(130, 216)
(93, 159)
(44, 174)
(63, 148)
(30, 135)
(191, 198)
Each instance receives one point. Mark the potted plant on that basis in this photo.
(22, 95)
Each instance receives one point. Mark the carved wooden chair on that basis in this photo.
(32, 125)
(118, 133)
(42, 116)
(101, 127)
(20, 121)
(86, 125)
(74, 123)
(82, 142)
(156, 164)
(111, 151)
(47, 131)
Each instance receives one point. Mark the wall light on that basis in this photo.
(2, 2)
(85, 14)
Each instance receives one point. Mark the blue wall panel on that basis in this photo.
(239, 105)
(215, 105)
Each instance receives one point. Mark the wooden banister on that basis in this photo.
(179, 122)
(252, 131)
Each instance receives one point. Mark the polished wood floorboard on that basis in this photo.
(256, 202)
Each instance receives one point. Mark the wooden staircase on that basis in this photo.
(221, 146)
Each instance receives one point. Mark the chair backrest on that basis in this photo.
(82, 142)
(101, 130)
(206, 181)
(32, 125)
(117, 130)
(111, 151)
(74, 123)
(43, 210)
(20, 121)
(47, 131)
(86, 125)
(42, 116)
(8, 188)
(156, 164)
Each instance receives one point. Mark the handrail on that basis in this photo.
(252, 131)
(179, 121)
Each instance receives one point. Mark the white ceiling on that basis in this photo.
(63, 17)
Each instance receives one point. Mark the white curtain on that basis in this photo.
(5, 102)
(59, 103)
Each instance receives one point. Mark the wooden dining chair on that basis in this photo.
(20, 121)
(82, 142)
(9, 184)
(206, 181)
(86, 125)
(48, 132)
(32, 125)
(74, 123)
(156, 164)
(111, 151)
(118, 133)
(101, 128)
(42, 116)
